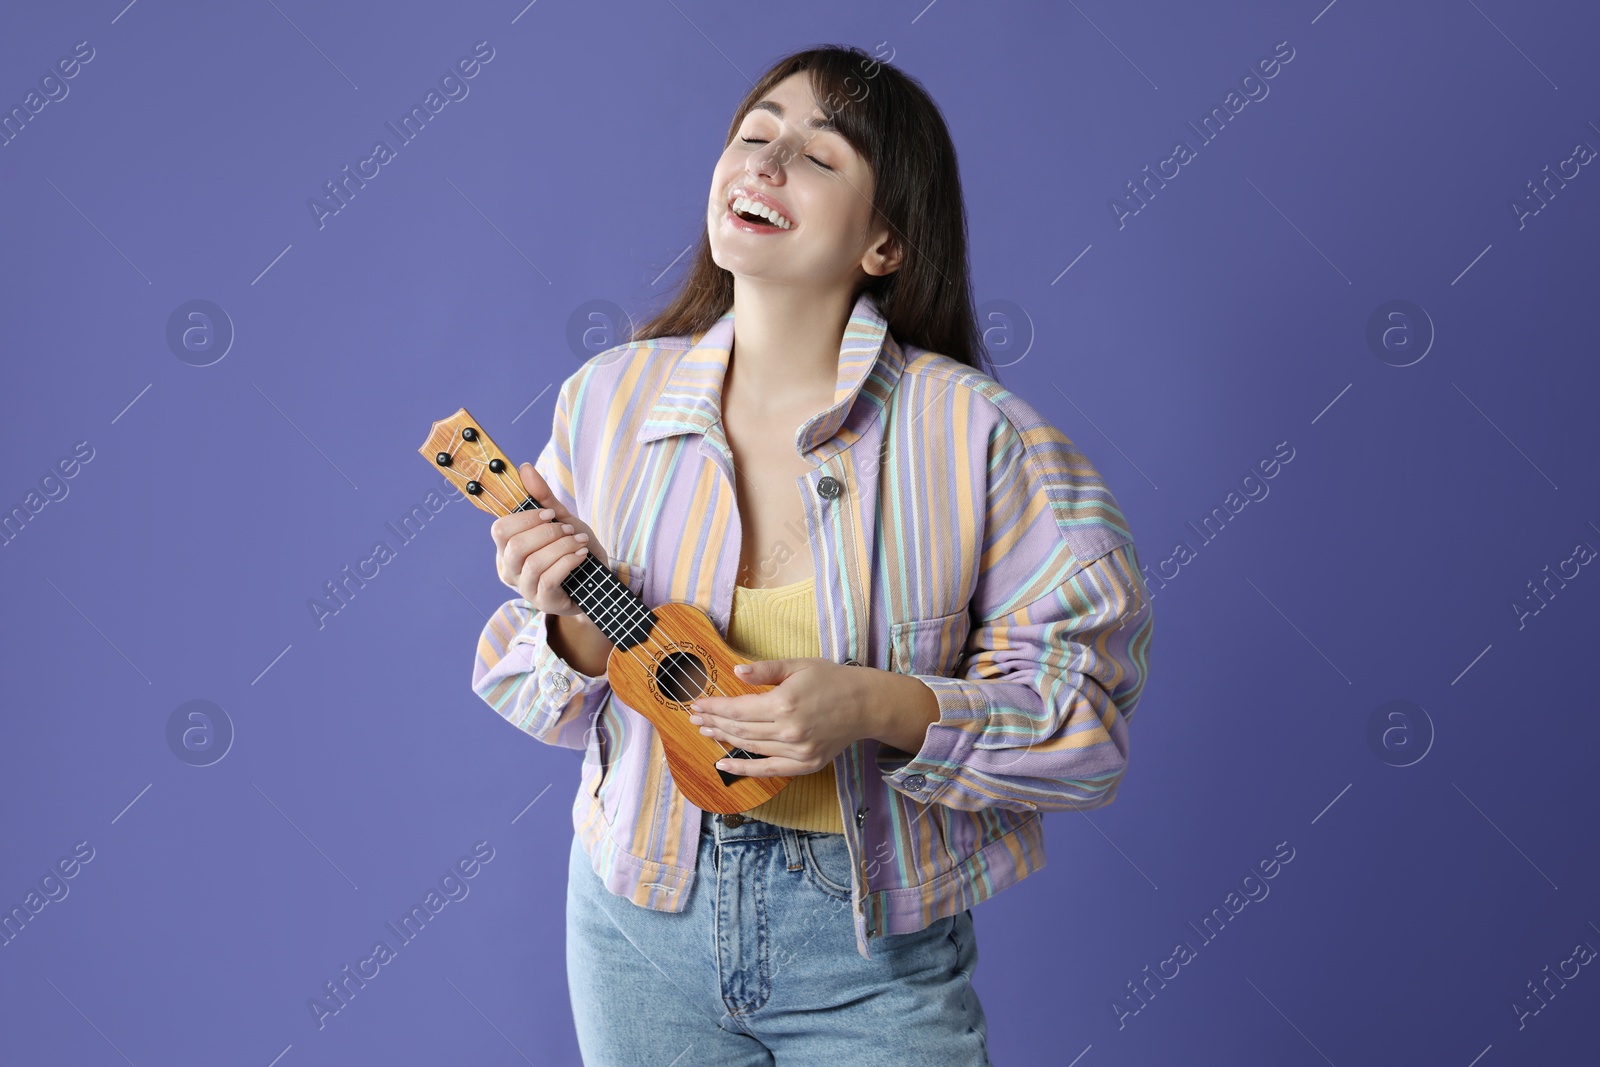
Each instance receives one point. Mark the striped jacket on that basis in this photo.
(955, 535)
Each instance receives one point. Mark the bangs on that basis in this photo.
(846, 94)
(845, 87)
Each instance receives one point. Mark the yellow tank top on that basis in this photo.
(781, 623)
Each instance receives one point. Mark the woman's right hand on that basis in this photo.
(534, 555)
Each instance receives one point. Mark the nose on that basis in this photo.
(768, 163)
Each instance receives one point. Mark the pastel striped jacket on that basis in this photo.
(956, 535)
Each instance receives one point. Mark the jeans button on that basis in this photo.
(733, 820)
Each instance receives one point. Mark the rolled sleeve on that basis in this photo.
(1038, 720)
(517, 673)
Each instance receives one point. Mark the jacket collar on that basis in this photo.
(691, 398)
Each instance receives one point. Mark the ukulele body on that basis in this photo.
(684, 658)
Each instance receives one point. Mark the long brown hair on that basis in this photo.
(888, 117)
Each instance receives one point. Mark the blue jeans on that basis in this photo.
(763, 961)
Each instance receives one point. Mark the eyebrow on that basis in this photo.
(777, 109)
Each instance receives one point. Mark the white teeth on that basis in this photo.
(753, 207)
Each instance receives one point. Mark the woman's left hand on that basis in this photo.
(814, 712)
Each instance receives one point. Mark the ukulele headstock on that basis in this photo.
(458, 448)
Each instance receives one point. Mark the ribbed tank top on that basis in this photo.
(780, 622)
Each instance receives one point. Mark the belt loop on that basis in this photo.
(791, 847)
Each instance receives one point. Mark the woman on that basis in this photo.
(938, 586)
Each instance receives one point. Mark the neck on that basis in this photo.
(786, 349)
(600, 594)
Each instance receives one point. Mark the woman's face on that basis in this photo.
(811, 176)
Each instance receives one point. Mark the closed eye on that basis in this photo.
(762, 140)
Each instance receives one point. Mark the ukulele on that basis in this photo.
(663, 657)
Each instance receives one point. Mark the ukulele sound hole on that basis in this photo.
(682, 676)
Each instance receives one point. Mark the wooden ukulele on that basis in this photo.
(663, 658)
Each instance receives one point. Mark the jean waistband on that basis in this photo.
(746, 827)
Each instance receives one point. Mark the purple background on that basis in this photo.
(1229, 315)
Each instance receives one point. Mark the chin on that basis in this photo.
(739, 266)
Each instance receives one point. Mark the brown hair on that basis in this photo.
(888, 117)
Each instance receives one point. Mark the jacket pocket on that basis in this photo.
(631, 573)
(929, 646)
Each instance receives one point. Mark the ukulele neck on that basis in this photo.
(601, 595)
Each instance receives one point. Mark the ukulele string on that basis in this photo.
(586, 585)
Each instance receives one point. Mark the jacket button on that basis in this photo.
(915, 781)
(861, 816)
(851, 663)
(828, 487)
(559, 682)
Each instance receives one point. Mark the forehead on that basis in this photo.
(791, 101)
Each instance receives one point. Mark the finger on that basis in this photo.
(743, 709)
(763, 671)
(771, 767)
(547, 542)
(540, 490)
(506, 527)
(535, 539)
(741, 733)
(550, 575)
(558, 571)
(564, 547)
(514, 555)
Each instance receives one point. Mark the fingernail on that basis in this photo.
(741, 668)
(567, 527)
(582, 551)
(580, 537)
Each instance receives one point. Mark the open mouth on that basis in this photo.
(758, 214)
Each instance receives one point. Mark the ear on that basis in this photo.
(885, 255)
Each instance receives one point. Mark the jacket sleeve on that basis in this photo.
(520, 676)
(1035, 717)
(516, 671)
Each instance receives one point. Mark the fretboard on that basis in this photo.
(609, 604)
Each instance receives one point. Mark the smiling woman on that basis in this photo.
(836, 197)
(956, 643)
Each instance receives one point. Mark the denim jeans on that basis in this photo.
(762, 961)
